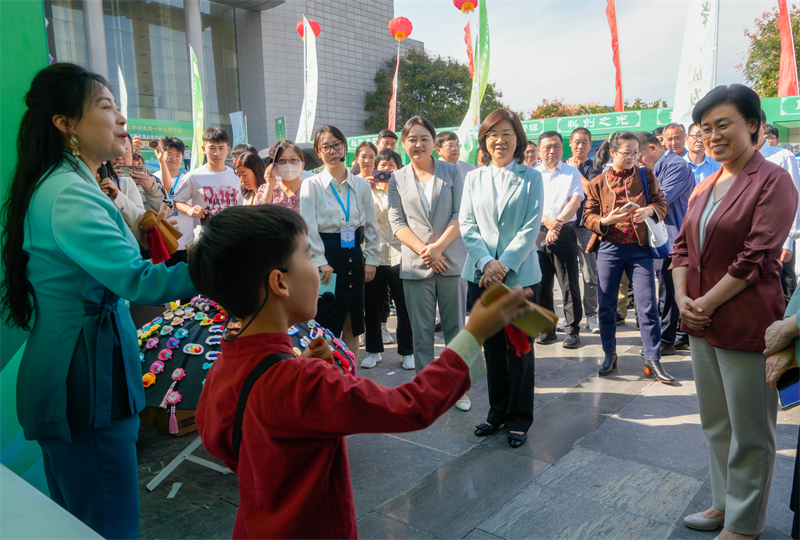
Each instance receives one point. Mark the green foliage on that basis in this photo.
(556, 108)
(434, 87)
(761, 66)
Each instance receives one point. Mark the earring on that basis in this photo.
(73, 143)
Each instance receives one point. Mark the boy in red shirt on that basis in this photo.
(294, 479)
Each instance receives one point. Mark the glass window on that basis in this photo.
(66, 34)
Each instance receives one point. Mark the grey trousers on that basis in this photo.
(422, 295)
(739, 413)
(589, 271)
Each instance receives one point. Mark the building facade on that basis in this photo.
(249, 52)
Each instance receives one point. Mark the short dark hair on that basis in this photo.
(388, 154)
(740, 96)
(603, 154)
(581, 131)
(216, 135)
(445, 136)
(388, 134)
(769, 129)
(137, 155)
(533, 144)
(417, 120)
(551, 135)
(658, 131)
(333, 130)
(240, 149)
(495, 117)
(173, 142)
(646, 138)
(674, 125)
(368, 144)
(223, 264)
(693, 124)
(252, 161)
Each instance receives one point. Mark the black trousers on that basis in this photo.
(789, 279)
(560, 260)
(510, 377)
(374, 301)
(667, 307)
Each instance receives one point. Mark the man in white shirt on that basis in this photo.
(449, 150)
(701, 164)
(785, 159)
(557, 242)
(210, 188)
(675, 139)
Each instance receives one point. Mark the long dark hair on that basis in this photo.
(613, 143)
(252, 161)
(59, 89)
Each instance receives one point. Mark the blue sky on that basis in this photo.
(547, 49)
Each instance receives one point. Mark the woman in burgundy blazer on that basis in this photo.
(727, 285)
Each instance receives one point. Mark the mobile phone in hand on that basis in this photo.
(789, 389)
(125, 170)
(381, 176)
(630, 207)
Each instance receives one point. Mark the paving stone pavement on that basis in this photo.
(619, 457)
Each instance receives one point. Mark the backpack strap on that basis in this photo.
(252, 377)
(644, 184)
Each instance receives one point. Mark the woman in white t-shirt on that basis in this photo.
(339, 211)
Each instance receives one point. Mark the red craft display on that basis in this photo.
(400, 28)
(466, 6)
(314, 28)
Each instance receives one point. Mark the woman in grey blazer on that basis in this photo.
(424, 199)
(501, 213)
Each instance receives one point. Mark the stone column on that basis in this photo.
(95, 36)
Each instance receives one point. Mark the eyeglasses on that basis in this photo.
(629, 155)
(506, 136)
(707, 133)
(335, 147)
(695, 136)
(451, 146)
(770, 137)
(293, 161)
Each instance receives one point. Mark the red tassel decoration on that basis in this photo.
(158, 251)
(518, 340)
(173, 422)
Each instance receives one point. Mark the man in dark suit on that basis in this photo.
(676, 180)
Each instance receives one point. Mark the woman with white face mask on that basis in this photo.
(285, 175)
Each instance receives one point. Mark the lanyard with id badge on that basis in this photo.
(348, 234)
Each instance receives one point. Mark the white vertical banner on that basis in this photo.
(696, 76)
(305, 132)
(237, 125)
(123, 94)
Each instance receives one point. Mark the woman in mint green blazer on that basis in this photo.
(72, 266)
(500, 218)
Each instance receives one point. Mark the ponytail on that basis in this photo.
(602, 156)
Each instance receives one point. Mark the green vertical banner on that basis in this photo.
(280, 128)
(197, 114)
(245, 130)
(467, 133)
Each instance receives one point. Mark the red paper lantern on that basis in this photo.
(314, 28)
(400, 28)
(466, 6)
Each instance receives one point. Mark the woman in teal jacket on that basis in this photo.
(72, 265)
(500, 217)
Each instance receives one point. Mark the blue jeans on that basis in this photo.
(635, 261)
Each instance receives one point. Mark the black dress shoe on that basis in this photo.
(571, 341)
(609, 364)
(517, 439)
(681, 345)
(620, 319)
(667, 349)
(546, 339)
(653, 368)
(484, 430)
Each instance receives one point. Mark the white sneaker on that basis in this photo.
(464, 403)
(386, 336)
(408, 362)
(371, 360)
(361, 340)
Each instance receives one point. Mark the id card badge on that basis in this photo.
(348, 237)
